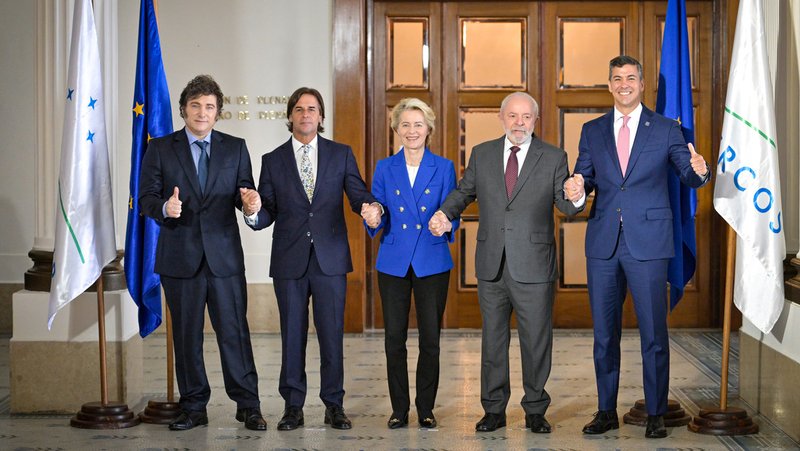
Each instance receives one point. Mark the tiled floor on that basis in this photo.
(694, 383)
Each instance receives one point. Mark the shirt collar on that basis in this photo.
(507, 144)
(634, 115)
(193, 138)
(296, 145)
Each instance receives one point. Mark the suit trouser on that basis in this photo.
(226, 298)
(430, 297)
(533, 305)
(608, 281)
(328, 293)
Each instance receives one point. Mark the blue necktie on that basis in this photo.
(202, 165)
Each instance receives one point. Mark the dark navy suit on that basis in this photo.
(410, 259)
(199, 257)
(629, 243)
(310, 257)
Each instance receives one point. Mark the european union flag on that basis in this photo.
(152, 117)
(675, 101)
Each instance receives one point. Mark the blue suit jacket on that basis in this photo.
(298, 221)
(406, 240)
(208, 224)
(641, 198)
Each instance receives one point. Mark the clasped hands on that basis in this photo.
(573, 188)
(251, 201)
(371, 214)
(439, 224)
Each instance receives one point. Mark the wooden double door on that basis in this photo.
(463, 58)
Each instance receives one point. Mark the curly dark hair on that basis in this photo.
(295, 97)
(201, 85)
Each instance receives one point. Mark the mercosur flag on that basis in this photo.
(84, 241)
(747, 193)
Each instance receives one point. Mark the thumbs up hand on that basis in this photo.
(698, 162)
(174, 204)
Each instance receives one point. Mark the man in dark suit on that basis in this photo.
(192, 182)
(301, 187)
(625, 157)
(516, 179)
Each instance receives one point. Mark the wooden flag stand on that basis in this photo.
(725, 420)
(164, 411)
(103, 414)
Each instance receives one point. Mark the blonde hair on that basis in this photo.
(412, 103)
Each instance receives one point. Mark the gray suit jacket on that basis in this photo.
(522, 226)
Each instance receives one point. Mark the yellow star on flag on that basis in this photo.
(138, 109)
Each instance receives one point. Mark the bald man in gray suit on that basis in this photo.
(516, 179)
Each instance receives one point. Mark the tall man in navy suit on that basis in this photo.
(192, 182)
(624, 158)
(301, 187)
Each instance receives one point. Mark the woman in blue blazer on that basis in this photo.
(411, 185)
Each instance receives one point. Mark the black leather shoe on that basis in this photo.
(491, 422)
(292, 419)
(426, 420)
(252, 418)
(537, 423)
(187, 420)
(655, 427)
(334, 415)
(397, 420)
(603, 421)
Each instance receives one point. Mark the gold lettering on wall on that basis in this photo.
(244, 115)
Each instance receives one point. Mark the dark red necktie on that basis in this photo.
(512, 169)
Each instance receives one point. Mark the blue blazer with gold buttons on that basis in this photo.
(406, 240)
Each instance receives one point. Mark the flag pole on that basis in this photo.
(160, 411)
(101, 339)
(725, 420)
(170, 360)
(103, 414)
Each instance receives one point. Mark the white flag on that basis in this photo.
(84, 241)
(747, 193)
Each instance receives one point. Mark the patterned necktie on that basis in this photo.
(202, 165)
(307, 173)
(512, 171)
(623, 144)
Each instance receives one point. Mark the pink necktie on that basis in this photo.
(512, 168)
(623, 144)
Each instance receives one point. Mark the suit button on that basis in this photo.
(622, 188)
(397, 191)
(402, 209)
(419, 226)
(423, 208)
(308, 233)
(405, 226)
(427, 191)
(508, 208)
(619, 210)
(311, 215)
